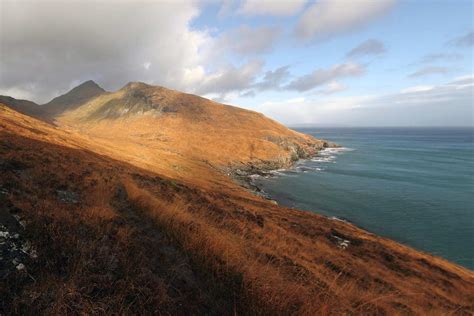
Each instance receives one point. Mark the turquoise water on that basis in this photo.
(413, 185)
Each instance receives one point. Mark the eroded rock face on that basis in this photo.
(16, 251)
(67, 196)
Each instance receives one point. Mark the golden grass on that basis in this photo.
(260, 285)
(230, 251)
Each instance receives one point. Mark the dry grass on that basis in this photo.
(261, 284)
(143, 243)
(259, 287)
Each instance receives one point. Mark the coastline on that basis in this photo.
(244, 175)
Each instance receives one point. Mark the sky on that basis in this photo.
(301, 62)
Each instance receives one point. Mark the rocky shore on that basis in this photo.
(244, 174)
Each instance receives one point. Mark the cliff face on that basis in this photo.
(126, 209)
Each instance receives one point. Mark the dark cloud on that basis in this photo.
(323, 76)
(369, 47)
(273, 79)
(47, 46)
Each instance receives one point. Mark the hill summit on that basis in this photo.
(75, 97)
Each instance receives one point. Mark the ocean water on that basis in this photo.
(413, 185)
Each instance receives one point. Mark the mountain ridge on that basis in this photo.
(73, 98)
(23, 106)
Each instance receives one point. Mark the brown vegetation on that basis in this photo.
(124, 223)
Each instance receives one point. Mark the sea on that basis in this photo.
(413, 185)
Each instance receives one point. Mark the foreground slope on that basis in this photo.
(107, 230)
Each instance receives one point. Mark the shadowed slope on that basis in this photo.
(75, 97)
(23, 106)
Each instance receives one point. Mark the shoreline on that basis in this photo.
(245, 175)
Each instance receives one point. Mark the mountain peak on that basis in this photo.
(74, 97)
(90, 84)
(136, 85)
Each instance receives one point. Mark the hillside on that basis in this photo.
(75, 97)
(127, 207)
(222, 135)
(23, 106)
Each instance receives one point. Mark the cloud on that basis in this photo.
(323, 76)
(273, 79)
(226, 8)
(463, 82)
(448, 104)
(430, 58)
(369, 47)
(22, 94)
(247, 40)
(248, 94)
(63, 42)
(230, 79)
(466, 40)
(416, 89)
(333, 87)
(425, 71)
(271, 7)
(322, 111)
(326, 18)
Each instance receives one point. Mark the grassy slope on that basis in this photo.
(75, 97)
(23, 106)
(191, 126)
(140, 241)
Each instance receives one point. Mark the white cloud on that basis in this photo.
(324, 111)
(449, 104)
(416, 89)
(333, 87)
(271, 7)
(146, 65)
(230, 79)
(19, 93)
(326, 18)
